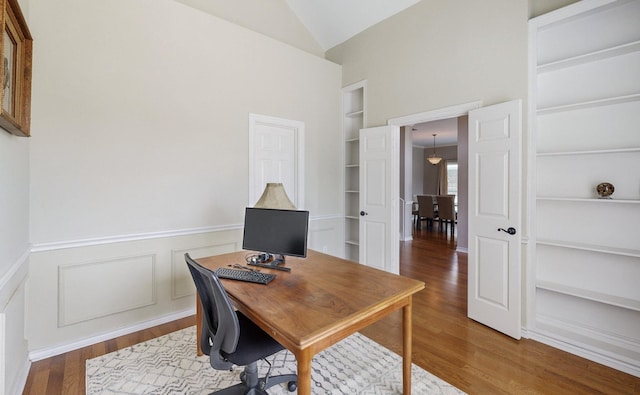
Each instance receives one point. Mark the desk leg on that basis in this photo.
(303, 359)
(406, 348)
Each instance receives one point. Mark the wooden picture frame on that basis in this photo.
(16, 48)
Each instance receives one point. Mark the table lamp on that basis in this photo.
(274, 196)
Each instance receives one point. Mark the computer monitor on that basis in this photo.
(275, 232)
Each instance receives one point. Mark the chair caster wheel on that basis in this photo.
(292, 386)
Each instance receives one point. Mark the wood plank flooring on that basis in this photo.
(474, 358)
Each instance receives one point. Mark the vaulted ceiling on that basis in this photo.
(332, 22)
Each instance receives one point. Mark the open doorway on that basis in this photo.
(458, 113)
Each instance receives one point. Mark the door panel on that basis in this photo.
(375, 251)
(276, 148)
(495, 203)
(379, 183)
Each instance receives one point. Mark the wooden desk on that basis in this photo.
(321, 301)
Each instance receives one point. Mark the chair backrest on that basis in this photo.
(425, 206)
(220, 326)
(446, 208)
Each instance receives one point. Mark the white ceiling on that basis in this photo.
(332, 22)
(446, 131)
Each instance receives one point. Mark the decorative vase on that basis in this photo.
(605, 190)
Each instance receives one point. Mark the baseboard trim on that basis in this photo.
(463, 250)
(21, 381)
(585, 353)
(38, 355)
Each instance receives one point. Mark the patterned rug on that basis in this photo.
(168, 365)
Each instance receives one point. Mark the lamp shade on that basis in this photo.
(274, 196)
(434, 160)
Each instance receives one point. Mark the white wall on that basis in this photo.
(463, 184)
(14, 259)
(14, 256)
(140, 153)
(418, 171)
(459, 52)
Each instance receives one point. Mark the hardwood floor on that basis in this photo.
(64, 374)
(474, 358)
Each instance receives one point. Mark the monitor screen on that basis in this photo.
(276, 231)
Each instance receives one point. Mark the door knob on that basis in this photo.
(363, 213)
(511, 231)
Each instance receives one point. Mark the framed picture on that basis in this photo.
(16, 47)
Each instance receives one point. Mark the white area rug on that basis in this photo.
(169, 365)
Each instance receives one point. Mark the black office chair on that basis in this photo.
(230, 338)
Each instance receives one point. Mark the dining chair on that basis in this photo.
(446, 211)
(426, 211)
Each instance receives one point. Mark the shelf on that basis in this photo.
(612, 300)
(590, 247)
(354, 118)
(589, 104)
(590, 57)
(589, 200)
(591, 152)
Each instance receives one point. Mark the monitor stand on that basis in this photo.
(276, 259)
(269, 261)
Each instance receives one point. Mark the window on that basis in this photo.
(452, 179)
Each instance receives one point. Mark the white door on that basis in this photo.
(276, 147)
(379, 187)
(494, 283)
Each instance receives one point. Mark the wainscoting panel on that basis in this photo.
(325, 235)
(82, 292)
(92, 290)
(181, 282)
(14, 362)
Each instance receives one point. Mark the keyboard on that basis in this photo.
(245, 275)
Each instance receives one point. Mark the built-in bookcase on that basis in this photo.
(354, 119)
(585, 125)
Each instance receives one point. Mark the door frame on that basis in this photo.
(428, 116)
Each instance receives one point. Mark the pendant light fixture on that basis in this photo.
(433, 158)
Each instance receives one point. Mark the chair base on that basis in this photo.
(262, 386)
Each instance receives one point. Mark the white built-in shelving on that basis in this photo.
(585, 117)
(592, 152)
(599, 297)
(588, 200)
(591, 248)
(354, 119)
